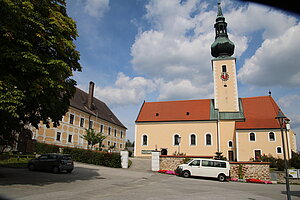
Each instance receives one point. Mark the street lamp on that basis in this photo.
(282, 120)
(179, 140)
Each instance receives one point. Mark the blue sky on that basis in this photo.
(153, 50)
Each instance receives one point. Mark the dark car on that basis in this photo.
(52, 162)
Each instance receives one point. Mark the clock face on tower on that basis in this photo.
(224, 76)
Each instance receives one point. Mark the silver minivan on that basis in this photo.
(206, 168)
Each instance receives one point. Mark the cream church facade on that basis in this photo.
(241, 128)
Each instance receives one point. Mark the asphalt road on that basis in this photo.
(94, 182)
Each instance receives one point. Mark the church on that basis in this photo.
(242, 129)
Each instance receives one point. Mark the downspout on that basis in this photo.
(218, 131)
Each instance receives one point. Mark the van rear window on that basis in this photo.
(211, 163)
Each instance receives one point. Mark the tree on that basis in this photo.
(93, 138)
(129, 143)
(37, 59)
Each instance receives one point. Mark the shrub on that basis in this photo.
(94, 157)
(46, 148)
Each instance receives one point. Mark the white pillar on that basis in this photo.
(124, 159)
(155, 160)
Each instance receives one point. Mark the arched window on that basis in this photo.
(252, 136)
(230, 143)
(272, 136)
(278, 150)
(208, 139)
(145, 140)
(176, 140)
(193, 140)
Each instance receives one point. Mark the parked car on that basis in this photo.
(52, 162)
(206, 168)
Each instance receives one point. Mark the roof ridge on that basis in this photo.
(178, 101)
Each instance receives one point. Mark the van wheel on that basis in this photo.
(222, 177)
(186, 174)
(55, 170)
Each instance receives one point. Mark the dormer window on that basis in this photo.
(157, 114)
(187, 113)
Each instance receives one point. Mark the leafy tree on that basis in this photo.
(129, 143)
(94, 138)
(37, 59)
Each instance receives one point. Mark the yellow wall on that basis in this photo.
(47, 135)
(160, 135)
(226, 98)
(246, 147)
(227, 133)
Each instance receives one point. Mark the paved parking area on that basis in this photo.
(94, 182)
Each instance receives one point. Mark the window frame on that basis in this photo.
(58, 133)
(231, 144)
(71, 119)
(146, 139)
(195, 141)
(81, 123)
(69, 138)
(280, 150)
(274, 140)
(205, 139)
(174, 140)
(254, 137)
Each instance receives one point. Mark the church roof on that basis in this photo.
(99, 108)
(258, 112)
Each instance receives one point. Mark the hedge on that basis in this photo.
(94, 157)
(41, 148)
(83, 155)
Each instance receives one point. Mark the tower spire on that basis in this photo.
(222, 46)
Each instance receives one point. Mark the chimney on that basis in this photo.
(91, 95)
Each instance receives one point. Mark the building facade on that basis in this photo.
(85, 112)
(241, 128)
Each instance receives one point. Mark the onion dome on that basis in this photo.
(222, 46)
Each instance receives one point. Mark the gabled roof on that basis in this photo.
(188, 110)
(260, 113)
(99, 109)
(255, 112)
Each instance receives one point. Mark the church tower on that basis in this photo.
(224, 68)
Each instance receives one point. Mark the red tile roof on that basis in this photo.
(187, 110)
(259, 112)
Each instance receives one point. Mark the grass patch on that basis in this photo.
(15, 162)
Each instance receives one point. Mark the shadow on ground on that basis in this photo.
(293, 193)
(12, 176)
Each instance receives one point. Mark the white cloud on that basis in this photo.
(246, 20)
(275, 62)
(178, 48)
(96, 8)
(126, 90)
(183, 89)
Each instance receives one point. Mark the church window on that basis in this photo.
(230, 143)
(145, 140)
(224, 68)
(278, 150)
(272, 136)
(208, 139)
(176, 140)
(252, 137)
(193, 140)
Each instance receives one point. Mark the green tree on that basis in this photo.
(94, 138)
(37, 59)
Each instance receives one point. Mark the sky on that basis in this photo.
(158, 50)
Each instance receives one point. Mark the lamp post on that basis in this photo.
(282, 120)
(179, 140)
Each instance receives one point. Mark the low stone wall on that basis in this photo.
(243, 170)
(279, 176)
(247, 170)
(171, 162)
